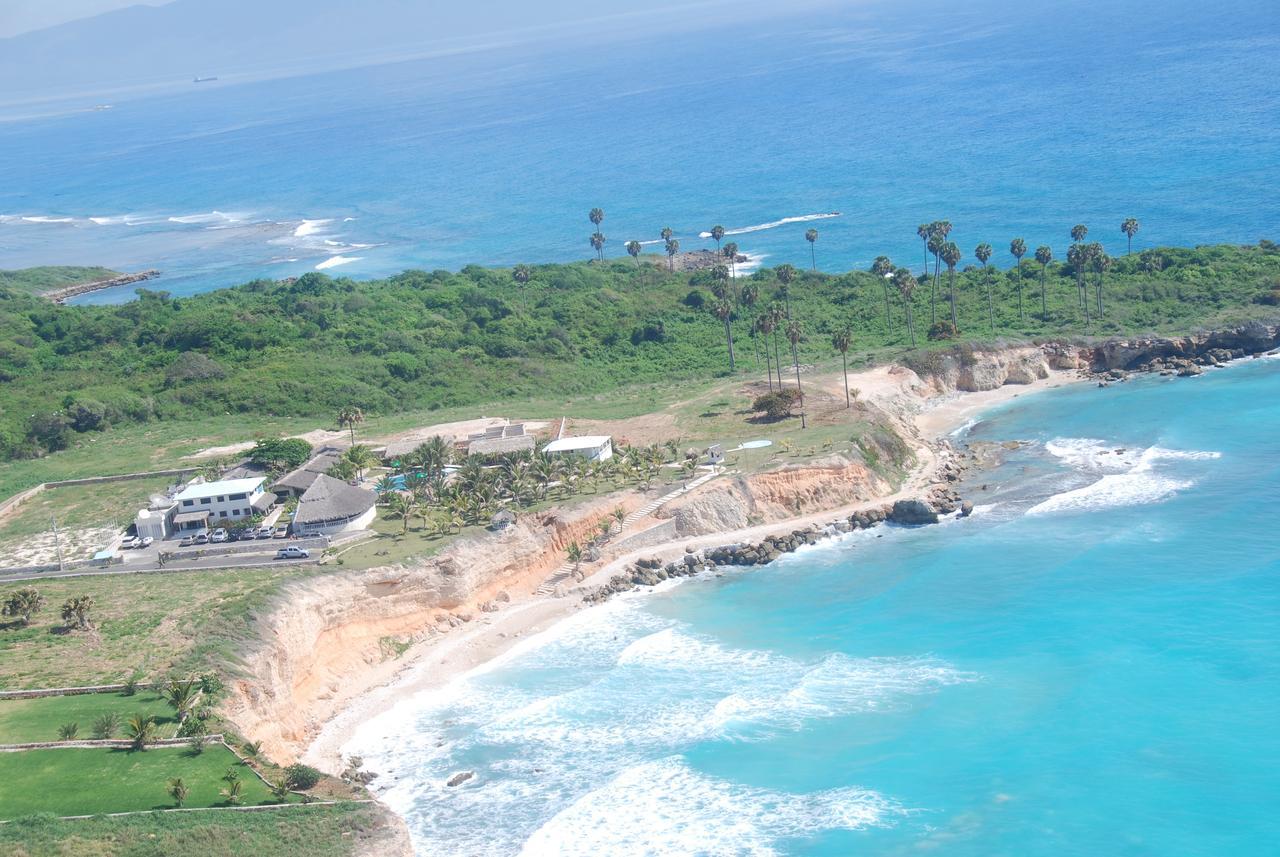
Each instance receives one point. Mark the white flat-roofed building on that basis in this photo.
(593, 447)
(205, 503)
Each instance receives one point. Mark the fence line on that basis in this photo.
(260, 808)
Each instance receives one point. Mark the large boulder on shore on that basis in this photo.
(913, 513)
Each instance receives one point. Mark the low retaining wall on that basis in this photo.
(21, 497)
(35, 693)
(113, 743)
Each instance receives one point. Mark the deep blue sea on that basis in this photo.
(1090, 665)
(1009, 119)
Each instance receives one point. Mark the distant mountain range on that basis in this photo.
(146, 47)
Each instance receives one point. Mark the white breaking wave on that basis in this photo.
(666, 807)
(774, 224)
(335, 261)
(1126, 476)
(753, 263)
(207, 217)
(41, 218)
(310, 227)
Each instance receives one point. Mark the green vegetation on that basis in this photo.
(28, 720)
(95, 505)
(50, 277)
(316, 831)
(156, 625)
(437, 340)
(78, 781)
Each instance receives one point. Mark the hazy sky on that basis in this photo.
(19, 16)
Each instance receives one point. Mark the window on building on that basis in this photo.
(237, 496)
(188, 502)
(204, 501)
(222, 499)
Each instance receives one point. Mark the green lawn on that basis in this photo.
(88, 782)
(26, 720)
(316, 831)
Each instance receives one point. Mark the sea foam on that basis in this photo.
(666, 807)
(335, 261)
(1126, 476)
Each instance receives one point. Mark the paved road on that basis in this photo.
(171, 567)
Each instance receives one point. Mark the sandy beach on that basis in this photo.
(435, 662)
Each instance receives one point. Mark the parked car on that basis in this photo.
(129, 542)
(201, 538)
(264, 532)
(293, 552)
(246, 535)
(187, 541)
(282, 532)
(219, 536)
(146, 541)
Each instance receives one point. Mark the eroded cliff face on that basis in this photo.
(732, 504)
(324, 641)
(972, 371)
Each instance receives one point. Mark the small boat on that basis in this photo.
(203, 79)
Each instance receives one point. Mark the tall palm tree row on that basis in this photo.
(794, 334)
(841, 341)
(1044, 255)
(730, 252)
(596, 216)
(951, 256)
(717, 233)
(906, 285)
(811, 235)
(882, 267)
(633, 249)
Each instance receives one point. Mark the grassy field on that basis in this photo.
(81, 506)
(316, 831)
(26, 720)
(74, 781)
(154, 623)
(49, 277)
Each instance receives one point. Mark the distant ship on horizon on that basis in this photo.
(203, 79)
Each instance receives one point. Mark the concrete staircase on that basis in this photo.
(565, 572)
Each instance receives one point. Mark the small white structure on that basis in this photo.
(156, 520)
(331, 506)
(593, 447)
(226, 500)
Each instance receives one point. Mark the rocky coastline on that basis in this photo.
(59, 296)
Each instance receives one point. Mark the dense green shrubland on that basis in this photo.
(310, 346)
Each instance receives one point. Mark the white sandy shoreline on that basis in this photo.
(436, 662)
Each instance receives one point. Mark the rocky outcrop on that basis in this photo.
(970, 370)
(63, 294)
(1159, 353)
(734, 504)
(913, 513)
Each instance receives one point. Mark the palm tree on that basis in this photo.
(777, 315)
(673, 247)
(717, 233)
(106, 725)
(1044, 255)
(748, 297)
(841, 341)
(764, 324)
(280, 789)
(233, 794)
(1018, 248)
(182, 696)
(596, 216)
(521, 274)
(983, 253)
(178, 791)
(811, 235)
(882, 267)
(936, 245)
(68, 731)
(361, 457)
(793, 336)
(1130, 228)
(906, 284)
(24, 604)
(401, 507)
(77, 610)
(951, 257)
(666, 233)
(1078, 258)
(723, 310)
(574, 554)
(1079, 232)
(924, 230)
(141, 730)
(1101, 261)
(633, 248)
(785, 274)
(349, 417)
(597, 243)
(730, 252)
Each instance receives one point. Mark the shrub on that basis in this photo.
(106, 726)
(941, 330)
(776, 405)
(67, 731)
(301, 777)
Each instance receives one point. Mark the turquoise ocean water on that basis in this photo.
(1089, 665)
(1009, 119)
